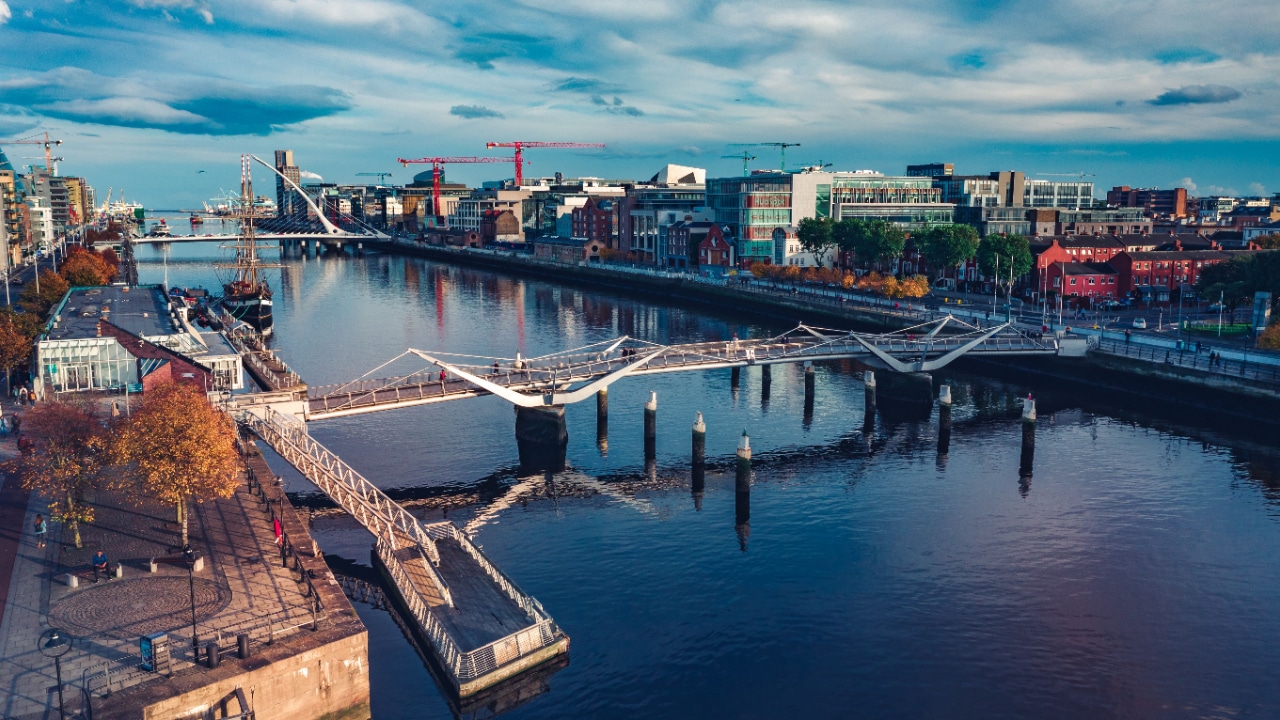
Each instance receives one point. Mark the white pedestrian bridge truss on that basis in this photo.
(574, 375)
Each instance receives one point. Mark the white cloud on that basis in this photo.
(1258, 189)
(1188, 184)
(5, 13)
(308, 175)
(125, 109)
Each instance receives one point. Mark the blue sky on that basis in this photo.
(147, 92)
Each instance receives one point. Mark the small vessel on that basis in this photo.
(197, 219)
(160, 231)
(247, 296)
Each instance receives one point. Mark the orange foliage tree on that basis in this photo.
(1270, 338)
(176, 448)
(84, 268)
(64, 461)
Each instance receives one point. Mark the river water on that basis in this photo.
(1134, 575)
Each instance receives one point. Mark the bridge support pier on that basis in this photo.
(742, 492)
(651, 426)
(699, 461)
(906, 395)
(735, 377)
(541, 437)
(766, 379)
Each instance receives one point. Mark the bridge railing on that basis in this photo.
(359, 497)
(526, 602)
(446, 649)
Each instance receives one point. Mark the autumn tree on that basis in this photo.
(176, 448)
(1268, 242)
(1270, 338)
(1004, 259)
(759, 269)
(45, 293)
(65, 458)
(16, 338)
(83, 268)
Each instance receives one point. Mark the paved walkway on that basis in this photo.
(243, 588)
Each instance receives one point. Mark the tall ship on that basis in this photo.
(246, 296)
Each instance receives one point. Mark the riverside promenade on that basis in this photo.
(308, 653)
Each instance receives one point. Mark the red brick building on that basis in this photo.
(1157, 274)
(597, 221)
(1083, 279)
(714, 249)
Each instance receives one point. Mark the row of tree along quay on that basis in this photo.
(872, 244)
(21, 324)
(175, 448)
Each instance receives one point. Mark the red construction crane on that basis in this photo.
(41, 139)
(520, 145)
(436, 162)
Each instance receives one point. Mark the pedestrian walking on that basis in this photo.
(41, 528)
(442, 376)
(4, 428)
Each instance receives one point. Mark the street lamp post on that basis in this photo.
(190, 556)
(54, 643)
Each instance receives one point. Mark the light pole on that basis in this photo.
(54, 643)
(8, 266)
(190, 556)
(995, 280)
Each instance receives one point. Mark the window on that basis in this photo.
(1073, 281)
(1091, 282)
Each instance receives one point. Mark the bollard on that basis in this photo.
(602, 420)
(869, 383)
(212, 656)
(1028, 456)
(242, 645)
(742, 496)
(651, 425)
(699, 461)
(72, 580)
(809, 383)
(735, 378)
(944, 395)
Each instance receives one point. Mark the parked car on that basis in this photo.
(1216, 307)
(1112, 304)
(1140, 323)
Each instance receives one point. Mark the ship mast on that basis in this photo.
(247, 252)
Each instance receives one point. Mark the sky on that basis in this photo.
(146, 94)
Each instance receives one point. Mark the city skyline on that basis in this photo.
(1154, 94)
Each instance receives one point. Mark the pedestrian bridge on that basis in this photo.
(574, 375)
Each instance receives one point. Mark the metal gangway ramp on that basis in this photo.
(481, 627)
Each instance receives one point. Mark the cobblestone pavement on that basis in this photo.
(244, 587)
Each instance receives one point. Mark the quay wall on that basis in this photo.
(304, 675)
(1153, 383)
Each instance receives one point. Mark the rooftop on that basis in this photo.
(142, 311)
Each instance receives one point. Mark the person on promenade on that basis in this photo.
(100, 564)
(41, 528)
(4, 428)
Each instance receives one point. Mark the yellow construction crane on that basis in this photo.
(38, 139)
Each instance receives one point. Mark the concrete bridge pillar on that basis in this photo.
(541, 438)
(869, 391)
(735, 377)
(651, 425)
(809, 386)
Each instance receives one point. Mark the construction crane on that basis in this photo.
(40, 139)
(782, 147)
(1081, 175)
(815, 167)
(55, 162)
(382, 176)
(745, 156)
(520, 145)
(436, 162)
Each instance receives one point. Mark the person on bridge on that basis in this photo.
(443, 375)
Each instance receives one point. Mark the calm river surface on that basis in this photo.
(1135, 575)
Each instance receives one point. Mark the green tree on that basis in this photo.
(177, 448)
(1268, 242)
(846, 234)
(1234, 282)
(946, 246)
(64, 461)
(815, 238)
(996, 252)
(38, 297)
(883, 242)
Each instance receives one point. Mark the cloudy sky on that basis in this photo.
(145, 93)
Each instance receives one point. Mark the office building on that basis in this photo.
(1154, 201)
(287, 201)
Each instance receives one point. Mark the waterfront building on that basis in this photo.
(1253, 232)
(51, 191)
(596, 220)
(715, 252)
(683, 241)
(469, 211)
(566, 250)
(931, 170)
(10, 215)
(501, 226)
(1113, 221)
(73, 353)
(1087, 280)
(39, 219)
(647, 211)
(1153, 201)
(1158, 275)
(988, 220)
(287, 201)
(753, 207)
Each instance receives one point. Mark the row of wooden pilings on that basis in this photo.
(558, 437)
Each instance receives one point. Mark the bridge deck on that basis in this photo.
(561, 371)
(481, 612)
